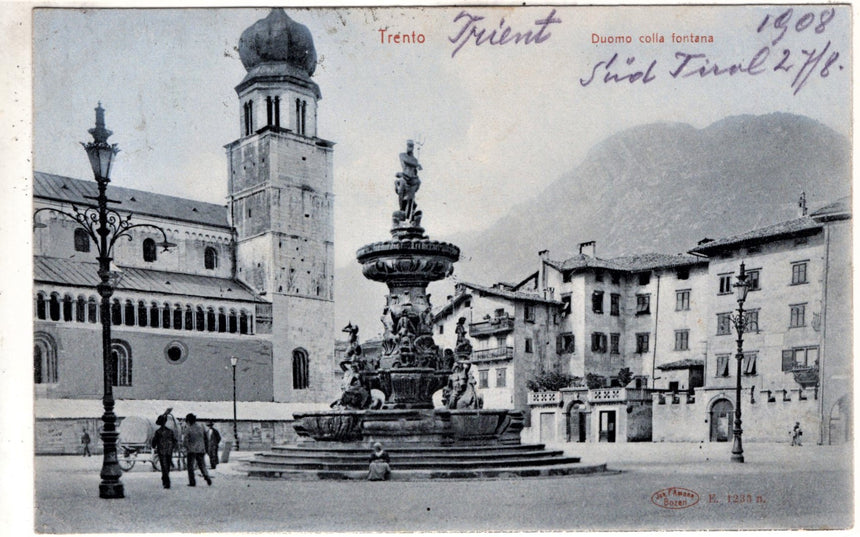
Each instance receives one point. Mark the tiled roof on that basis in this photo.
(512, 295)
(838, 210)
(82, 274)
(797, 227)
(66, 189)
(686, 363)
(630, 263)
(449, 306)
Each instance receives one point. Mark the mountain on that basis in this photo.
(653, 188)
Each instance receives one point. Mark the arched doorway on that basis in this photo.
(578, 420)
(721, 419)
(840, 421)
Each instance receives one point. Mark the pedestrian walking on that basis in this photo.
(85, 443)
(380, 469)
(796, 435)
(195, 448)
(164, 442)
(213, 437)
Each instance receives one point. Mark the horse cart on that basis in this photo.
(135, 443)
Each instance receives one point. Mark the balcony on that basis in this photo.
(492, 326)
(617, 395)
(806, 376)
(497, 353)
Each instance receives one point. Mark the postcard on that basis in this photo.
(455, 268)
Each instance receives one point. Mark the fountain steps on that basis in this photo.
(417, 462)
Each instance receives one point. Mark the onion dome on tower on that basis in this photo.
(278, 48)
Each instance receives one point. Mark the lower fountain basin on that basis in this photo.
(407, 426)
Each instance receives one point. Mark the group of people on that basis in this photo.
(198, 443)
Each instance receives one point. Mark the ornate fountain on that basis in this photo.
(391, 398)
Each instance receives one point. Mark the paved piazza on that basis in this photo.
(779, 487)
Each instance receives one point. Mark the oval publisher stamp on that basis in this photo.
(675, 498)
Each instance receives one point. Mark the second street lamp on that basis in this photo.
(739, 320)
(233, 361)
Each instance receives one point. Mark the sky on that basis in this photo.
(498, 122)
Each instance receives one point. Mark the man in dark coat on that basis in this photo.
(164, 442)
(213, 437)
(195, 448)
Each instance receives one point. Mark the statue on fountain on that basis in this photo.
(460, 392)
(406, 185)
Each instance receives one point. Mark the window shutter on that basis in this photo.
(787, 360)
(558, 345)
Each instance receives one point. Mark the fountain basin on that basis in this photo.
(441, 427)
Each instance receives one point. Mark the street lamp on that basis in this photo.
(105, 226)
(233, 362)
(739, 320)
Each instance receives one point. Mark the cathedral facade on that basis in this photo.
(252, 279)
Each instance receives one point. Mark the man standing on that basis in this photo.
(213, 437)
(85, 442)
(195, 447)
(164, 442)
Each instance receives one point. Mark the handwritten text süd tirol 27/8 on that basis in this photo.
(798, 63)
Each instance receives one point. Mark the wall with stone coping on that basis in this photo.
(762, 421)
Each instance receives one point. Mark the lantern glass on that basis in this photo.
(742, 287)
(233, 361)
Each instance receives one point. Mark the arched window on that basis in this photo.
(200, 320)
(93, 310)
(81, 309)
(233, 323)
(165, 316)
(40, 306)
(189, 317)
(210, 258)
(153, 315)
(115, 312)
(222, 320)
(129, 313)
(82, 240)
(243, 322)
(211, 325)
(300, 369)
(149, 252)
(54, 307)
(45, 370)
(141, 313)
(177, 317)
(68, 308)
(120, 358)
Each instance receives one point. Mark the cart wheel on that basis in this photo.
(126, 462)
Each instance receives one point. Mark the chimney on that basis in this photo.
(543, 254)
(588, 248)
(801, 204)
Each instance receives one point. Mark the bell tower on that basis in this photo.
(281, 203)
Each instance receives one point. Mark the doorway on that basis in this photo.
(578, 422)
(607, 426)
(721, 418)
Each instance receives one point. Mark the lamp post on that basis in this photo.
(233, 362)
(105, 226)
(739, 320)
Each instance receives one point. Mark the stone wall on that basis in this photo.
(63, 436)
(680, 420)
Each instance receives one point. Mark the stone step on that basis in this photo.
(413, 464)
(406, 448)
(438, 457)
(275, 472)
